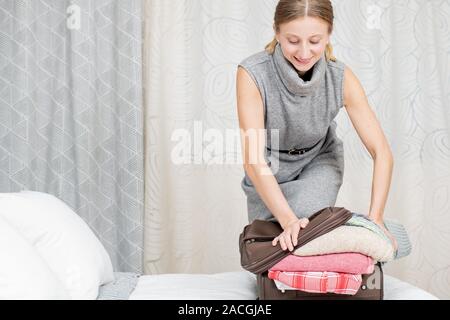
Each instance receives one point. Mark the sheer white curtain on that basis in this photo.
(400, 50)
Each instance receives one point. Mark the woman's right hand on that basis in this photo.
(288, 238)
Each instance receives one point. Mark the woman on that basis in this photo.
(297, 87)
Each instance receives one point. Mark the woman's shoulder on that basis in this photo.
(257, 59)
(337, 65)
(337, 71)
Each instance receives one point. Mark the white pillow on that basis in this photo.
(23, 273)
(62, 238)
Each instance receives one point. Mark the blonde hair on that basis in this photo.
(288, 10)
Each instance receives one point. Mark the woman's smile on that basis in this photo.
(303, 62)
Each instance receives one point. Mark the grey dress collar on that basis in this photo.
(291, 78)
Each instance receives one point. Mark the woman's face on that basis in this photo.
(303, 41)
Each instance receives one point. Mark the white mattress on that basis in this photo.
(238, 286)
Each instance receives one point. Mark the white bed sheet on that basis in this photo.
(238, 286)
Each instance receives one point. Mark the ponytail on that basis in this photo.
(270, 48)
(329, 53)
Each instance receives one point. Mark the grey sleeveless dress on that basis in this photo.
(303, 112)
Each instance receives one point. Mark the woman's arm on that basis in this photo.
(251, 120)
(369, 130)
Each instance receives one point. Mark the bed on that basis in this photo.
(239, 285)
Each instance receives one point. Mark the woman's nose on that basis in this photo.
(304, 52)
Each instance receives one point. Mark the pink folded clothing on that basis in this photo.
(319, 282)
(352, 263)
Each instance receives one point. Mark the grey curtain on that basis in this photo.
(71, 119)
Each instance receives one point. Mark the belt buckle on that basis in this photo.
(293, 151)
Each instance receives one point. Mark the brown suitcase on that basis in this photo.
(258, 254)
(372, 288)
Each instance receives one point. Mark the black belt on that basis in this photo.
(295, 151)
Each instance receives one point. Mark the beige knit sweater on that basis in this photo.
(349, 239)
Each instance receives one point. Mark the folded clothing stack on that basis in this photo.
(332, 273)
(336, 261)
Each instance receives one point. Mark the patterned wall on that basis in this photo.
(71, 112)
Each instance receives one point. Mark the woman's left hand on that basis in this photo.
(386, 231)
